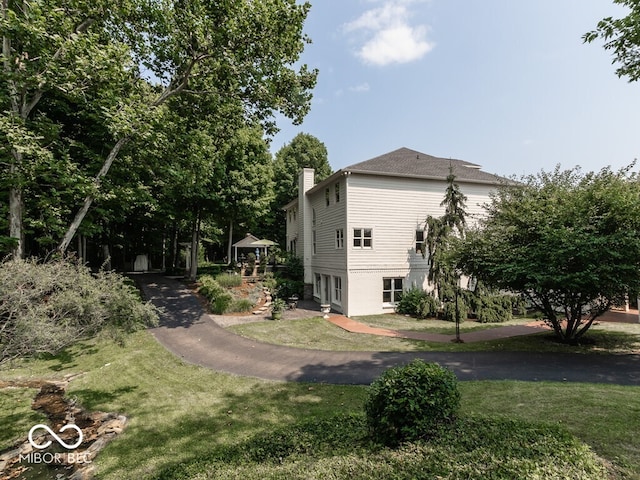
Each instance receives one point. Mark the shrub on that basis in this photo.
(222, 303)
(494, 309)
(240, 305)
(417, 303)
(295, 268)
(209, 287)
(288, 288)
(270, 282)
(449, 310)
(410, 402)
(45, 307)
(228, 280)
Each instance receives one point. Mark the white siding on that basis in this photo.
(329, 260)
(394, 208)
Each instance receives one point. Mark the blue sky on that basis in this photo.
(507, 84)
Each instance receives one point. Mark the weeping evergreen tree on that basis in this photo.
(441, 232)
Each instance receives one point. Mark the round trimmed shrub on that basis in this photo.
(410, 402)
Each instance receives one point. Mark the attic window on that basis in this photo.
(327, 197)
(337, 187)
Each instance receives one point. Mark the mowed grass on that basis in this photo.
(189, 422)
(317, 333)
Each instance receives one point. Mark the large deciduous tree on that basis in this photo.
(622, 37)
(304, 151)
(125, 59)
(569, 242)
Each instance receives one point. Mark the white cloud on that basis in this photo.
(388, 36)
(363, 87)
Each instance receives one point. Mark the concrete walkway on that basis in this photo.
(191, 334)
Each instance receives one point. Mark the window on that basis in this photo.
(419, 240)
(327, 196)
(337, 289)
(362, 237)
(313, 217)
(391, 290)
(340, 238)
(315, 249)
(337, 188)
(317, 285)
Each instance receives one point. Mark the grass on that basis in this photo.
(189, 422)
(319, 334)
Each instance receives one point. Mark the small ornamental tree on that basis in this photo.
(441, 235)
(569, 242)
(409, 402)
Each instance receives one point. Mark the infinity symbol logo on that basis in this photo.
(58, 439)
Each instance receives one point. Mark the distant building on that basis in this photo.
(359, 232)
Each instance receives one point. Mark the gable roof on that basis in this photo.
(405, 162)
(246, 241)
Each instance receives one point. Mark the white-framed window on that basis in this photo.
(337, 289)
(339, 239)
(419, 241)
(363, 238)
(317, 285)
(313, 217)
(314, 242)
(327, 196)
(392, 289)
(337, 191)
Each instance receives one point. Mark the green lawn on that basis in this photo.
(189, 422)
(319, 334)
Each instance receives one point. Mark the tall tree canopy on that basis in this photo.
(622, 36)
(569, 242)
(121, 61)
(304, 151)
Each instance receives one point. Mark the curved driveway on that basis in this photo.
(190, 333)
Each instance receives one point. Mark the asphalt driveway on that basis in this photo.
(190, 333)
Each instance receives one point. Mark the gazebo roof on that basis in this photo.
(246, 242)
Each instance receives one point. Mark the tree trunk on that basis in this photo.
(174, 249)
(73, 228)
(15, 220)
(195, 237)
(106, 264)
(229, 259)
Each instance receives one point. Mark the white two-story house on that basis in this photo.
(360, 231)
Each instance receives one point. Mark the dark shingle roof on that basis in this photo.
(405, 162)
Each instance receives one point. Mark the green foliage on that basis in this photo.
(411, 402)
(209, 287)
(270, 282)
(622, 36)
(77, 102)
(449, 310)
(45, 307)
(417, 303)
(222, 303)
(569, 242)
(241, 305)
(228, 280)
(295, 268)
(493, 307)
(288, 288)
